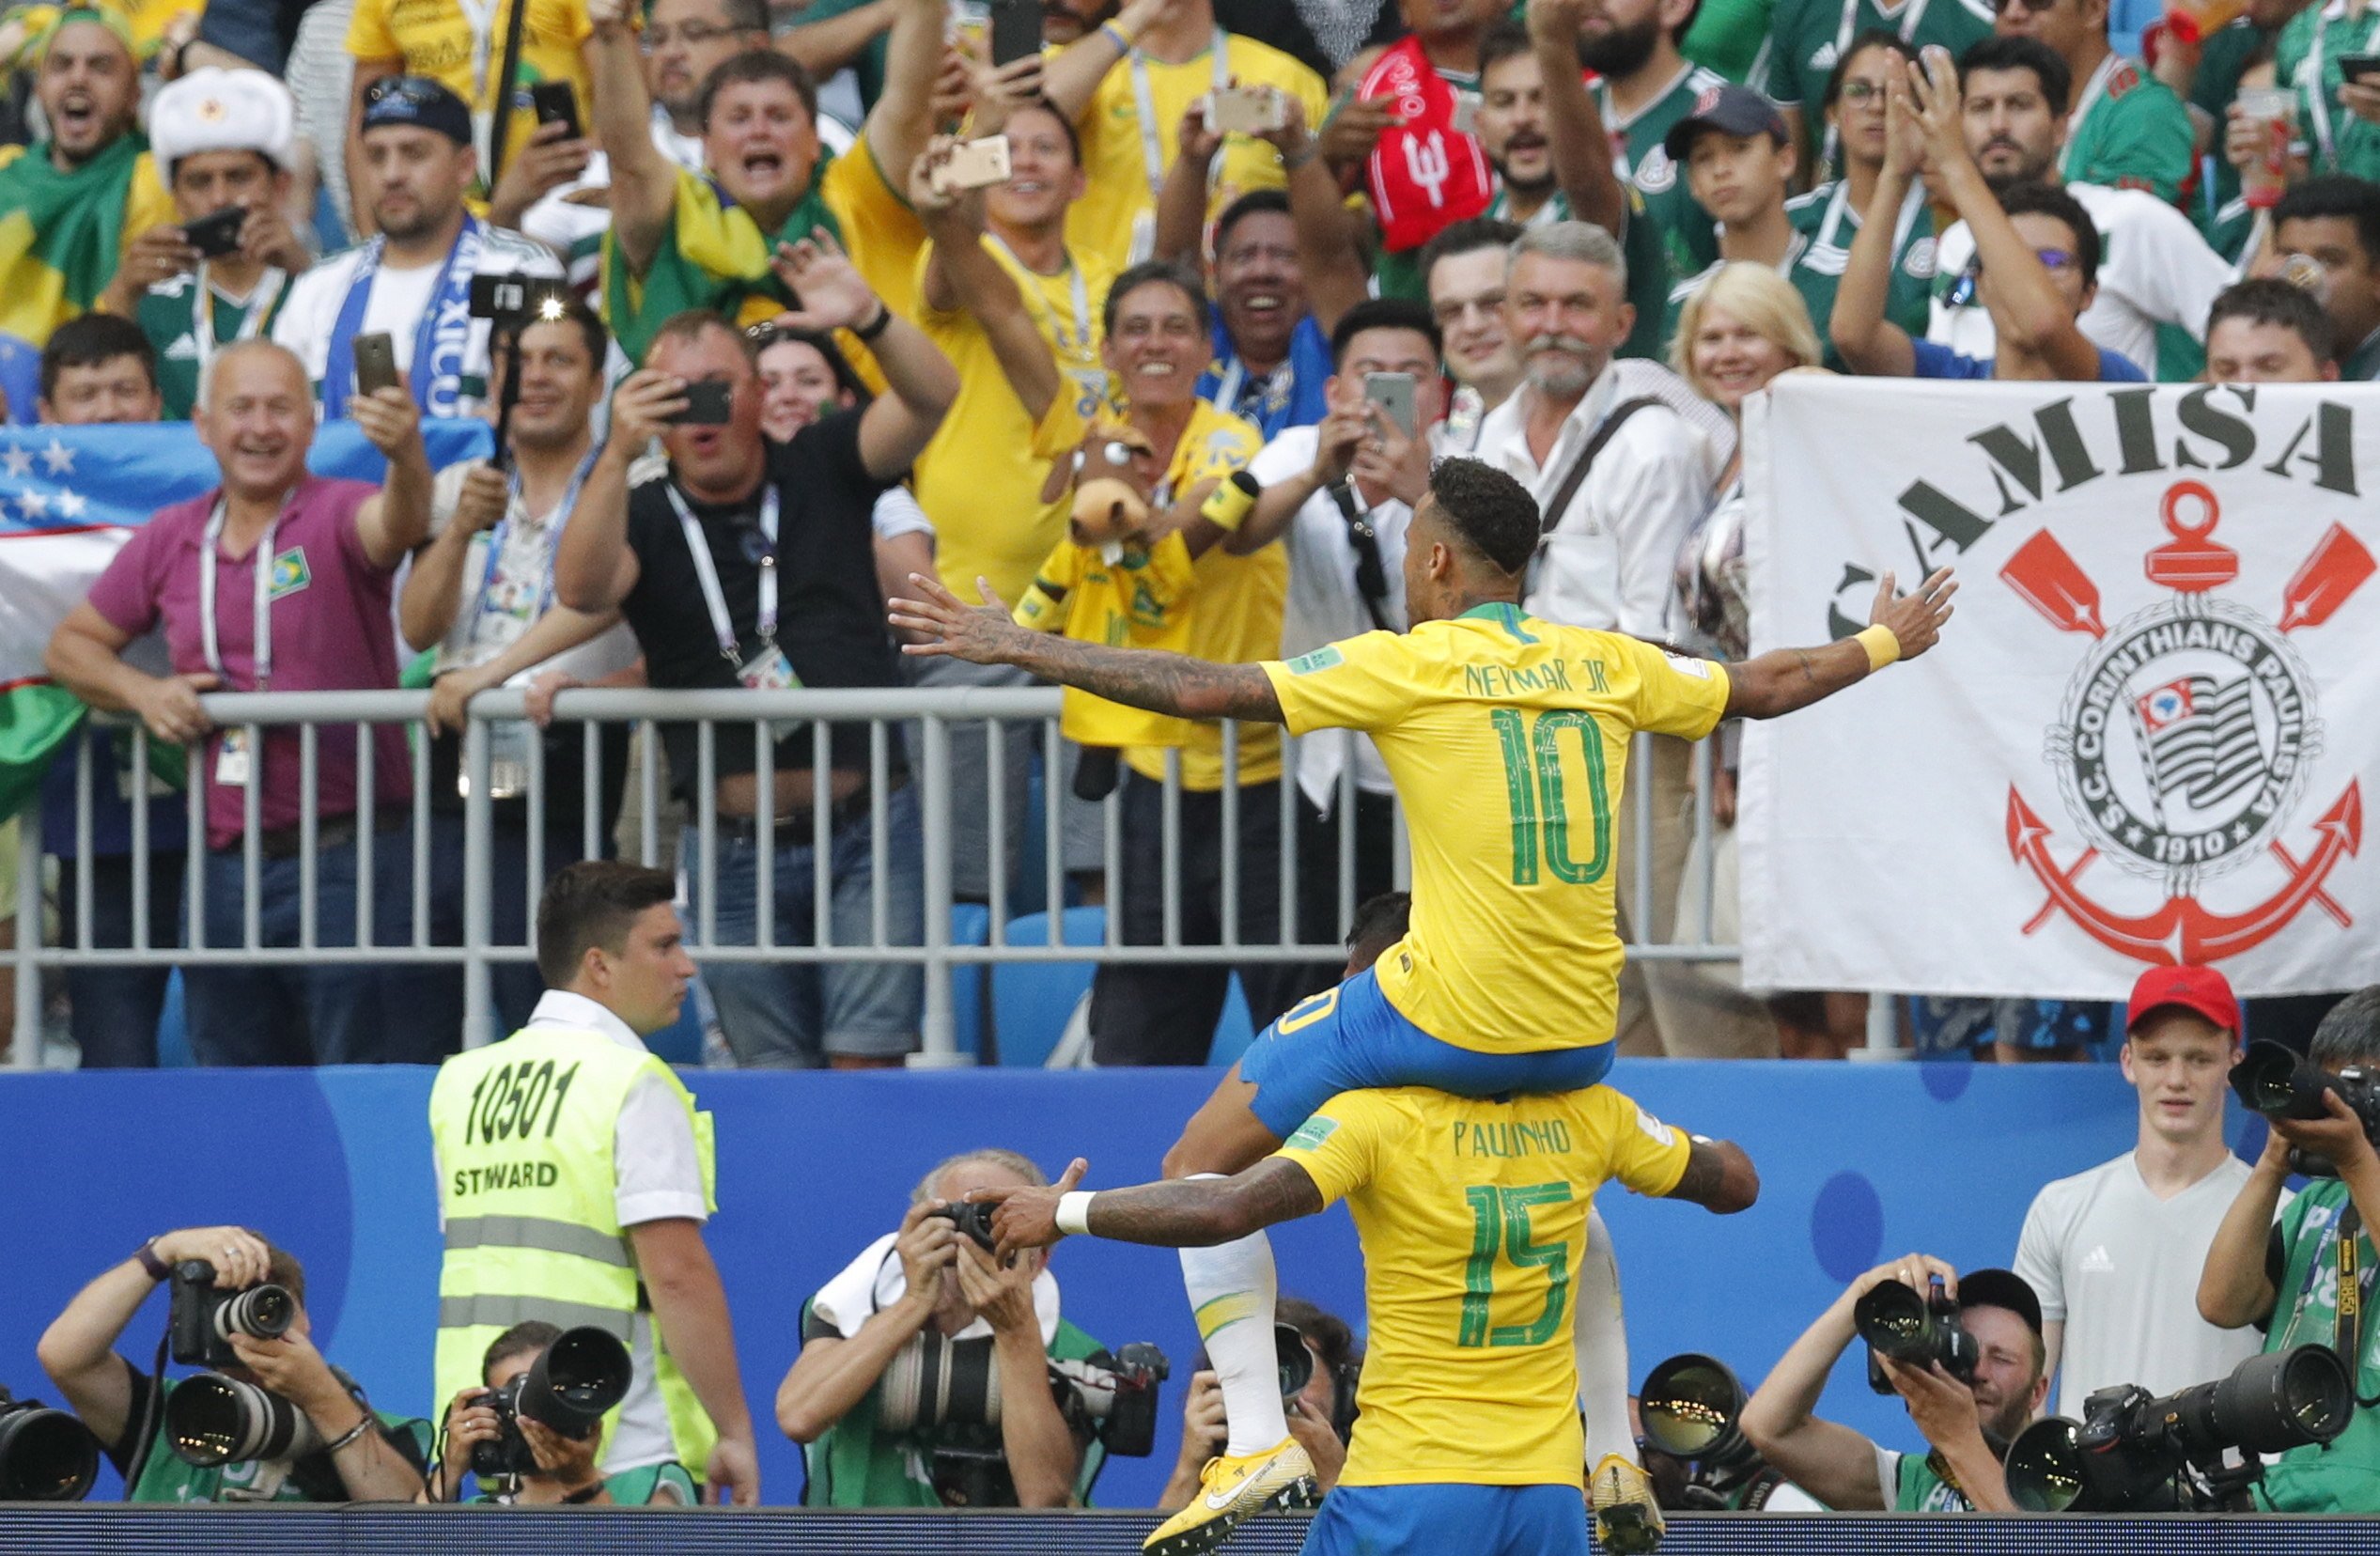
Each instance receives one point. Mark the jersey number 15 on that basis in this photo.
(1500, 1234)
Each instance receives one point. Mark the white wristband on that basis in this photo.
(1074, 1212)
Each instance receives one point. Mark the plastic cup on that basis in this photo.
(2275, 108)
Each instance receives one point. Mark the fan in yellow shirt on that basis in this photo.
(460, 44)
(1473, 1215)
(1128, 86)
(1506, 982)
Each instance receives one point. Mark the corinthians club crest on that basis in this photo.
(2185, 743)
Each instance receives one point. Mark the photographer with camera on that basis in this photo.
(1317, 1395)
(493, 1430)
(1694, 1445)
(1969, 1366)
(932, 1292)
(2286, 1274)
(271, 1421)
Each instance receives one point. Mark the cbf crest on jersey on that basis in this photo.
(2143, 738)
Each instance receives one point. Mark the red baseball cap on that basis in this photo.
(2199, 988)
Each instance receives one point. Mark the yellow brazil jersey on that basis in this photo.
(1236, 617)
(981, 476)
(439, 39)
(1138, 600)
(1507, 739)
(1124, 170)
(1474, 1217)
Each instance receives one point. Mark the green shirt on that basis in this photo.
(2130, 132)
(1915, 1486)
(854, 1465)
(1641, 247)
(639, 1488)
(1727, 36)
(2336, 1477)
(165, 1477)
(2307, 58)
(2363, 364)
(2222, 60)
(1827, 216)
(1641, 160)
(168, 316)
(1805, 38)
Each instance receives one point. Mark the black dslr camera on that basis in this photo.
(2132, 1453)
(1914, 1331)
(2275, 1081)
(973, 1217)
(567, 1389)
(203, 1318)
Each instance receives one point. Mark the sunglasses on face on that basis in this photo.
(1961, 291)
(2032, 7)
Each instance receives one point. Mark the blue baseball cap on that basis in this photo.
(418, 102)
(1732, 109)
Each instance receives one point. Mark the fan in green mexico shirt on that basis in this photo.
(2307, 58)
(1807, 37)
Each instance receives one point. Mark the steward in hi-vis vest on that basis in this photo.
(574, 1174)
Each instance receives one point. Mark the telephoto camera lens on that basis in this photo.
(1689, 1404)
(212, 1421)
(45, 1454)
(1896, 1321)
(935, 1379)
(2135, 1453)
(2274, 1080)
(260, 1313)
(1291, 1357)
(577, 1380)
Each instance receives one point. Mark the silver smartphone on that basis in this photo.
(1394, 394)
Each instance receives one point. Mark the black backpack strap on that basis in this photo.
(1613, 420)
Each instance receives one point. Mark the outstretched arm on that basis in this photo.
(1179, 1213)
(1174, 684)
(1899, 627)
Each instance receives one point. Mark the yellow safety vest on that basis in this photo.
(525, 1130)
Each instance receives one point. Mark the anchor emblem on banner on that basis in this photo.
(2185, 742)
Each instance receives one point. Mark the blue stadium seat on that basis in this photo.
(969, 925)
(1031, 1001)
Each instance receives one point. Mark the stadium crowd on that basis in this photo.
(1323, 243)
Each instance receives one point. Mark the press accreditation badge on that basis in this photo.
(771, 671)
(232, 760)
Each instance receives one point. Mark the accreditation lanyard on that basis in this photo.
(261, 561)
(1078, 343)
(202, 318)
(497, 536)
(2318, 100)
(1152, 147)
(714, 600)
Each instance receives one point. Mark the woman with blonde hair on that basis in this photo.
(1735, 336)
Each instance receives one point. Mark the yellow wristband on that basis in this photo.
(1882, 647)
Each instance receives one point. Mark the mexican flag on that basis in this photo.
(69, 497)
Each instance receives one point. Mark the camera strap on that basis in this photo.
(2354, 1290)
(1371, 577)
(1550, 515)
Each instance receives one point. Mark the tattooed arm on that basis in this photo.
(1784, 680)
(1141, 678)
(1718, 1177)
(1179, 1213)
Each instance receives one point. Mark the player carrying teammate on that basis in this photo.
(1508, 980)
(1473, 1216)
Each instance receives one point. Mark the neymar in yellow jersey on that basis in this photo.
(1473, 1216)
(1507, 739)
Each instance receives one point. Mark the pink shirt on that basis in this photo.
(331, 632)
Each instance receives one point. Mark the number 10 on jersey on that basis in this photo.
(1540, 808)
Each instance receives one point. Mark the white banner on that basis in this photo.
(2144, 736)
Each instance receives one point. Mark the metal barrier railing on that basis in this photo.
(931, 714)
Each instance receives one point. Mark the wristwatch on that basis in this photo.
(157, 1268)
